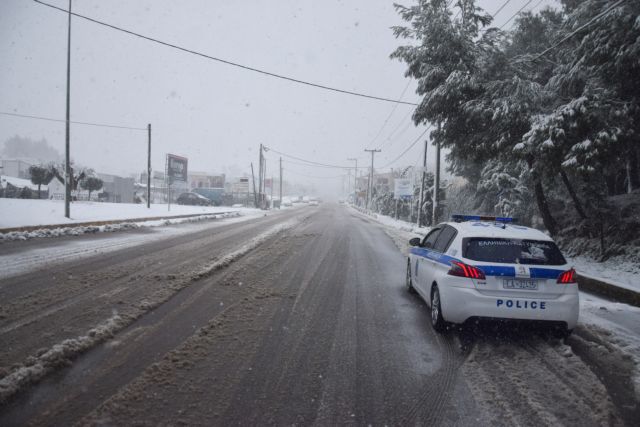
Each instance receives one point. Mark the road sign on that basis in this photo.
(403, 188)
(177, 168)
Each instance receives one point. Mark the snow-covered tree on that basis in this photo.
(40, 175)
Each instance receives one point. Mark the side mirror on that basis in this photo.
(415, 241)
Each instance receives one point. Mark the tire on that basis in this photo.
(561, 332)
(437, 321)
(408, 281)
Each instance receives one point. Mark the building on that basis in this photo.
(15, 168)
(117, 189)
(204, 180)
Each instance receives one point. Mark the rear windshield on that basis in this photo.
(512, 251)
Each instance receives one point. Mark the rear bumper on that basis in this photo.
(460, 304)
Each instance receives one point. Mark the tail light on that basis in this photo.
(464, 270)
(568, 276)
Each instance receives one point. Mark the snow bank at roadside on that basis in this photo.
(25, 213)
(617, 327)
(91, 229)
(619, 272)
(400, 231)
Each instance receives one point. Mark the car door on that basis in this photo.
(422, 264)
(439, 264)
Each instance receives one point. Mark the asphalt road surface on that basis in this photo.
(308, 323)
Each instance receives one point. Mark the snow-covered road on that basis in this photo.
(294, 318)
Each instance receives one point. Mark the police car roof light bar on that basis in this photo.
(462, 218)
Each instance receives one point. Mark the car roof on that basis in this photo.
(497, 230)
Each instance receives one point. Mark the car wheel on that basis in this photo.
(561, 332)
(437, 321)
(408, 281)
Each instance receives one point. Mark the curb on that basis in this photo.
(608, 290)
(109, 222)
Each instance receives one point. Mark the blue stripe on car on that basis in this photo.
(489, 270)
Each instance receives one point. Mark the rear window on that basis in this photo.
(512, 251)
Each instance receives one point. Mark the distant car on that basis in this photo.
(488, 267)
(313, 203)
(193, 199)
(216, 195)
(306, 199)
(286, 202)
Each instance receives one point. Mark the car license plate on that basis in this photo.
(520, 284)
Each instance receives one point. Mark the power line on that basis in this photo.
(224, 61)
(501, 7)
(391, 141)
(591, 21)
(314, 176)
(409, 147)
(291, 162)
(27, 116)
(311, 162)
(393, 110)
(514, 15)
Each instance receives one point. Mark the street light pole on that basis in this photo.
(67, 156)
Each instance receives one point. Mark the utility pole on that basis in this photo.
(67, 156)
(280, 182)
(260, 171)
(149, 167)
(255, 195)
(436, 183)
(272, 190)
(264, 184)
(370, 189)
(355, 181)
(422, 182)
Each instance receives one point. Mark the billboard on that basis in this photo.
(177, 168)
(242, 185)
(403, 188)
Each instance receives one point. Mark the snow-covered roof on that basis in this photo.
(20, 182)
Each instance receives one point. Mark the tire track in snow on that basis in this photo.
(530, 381)
(36, 367)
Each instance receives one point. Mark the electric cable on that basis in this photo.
(27, 116)
(224, 61)
(409, 147)
(305, 160)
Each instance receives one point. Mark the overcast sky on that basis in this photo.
(212, 113)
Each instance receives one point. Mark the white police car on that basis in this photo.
(489, 267)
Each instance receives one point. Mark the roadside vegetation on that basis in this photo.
(541, 120)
